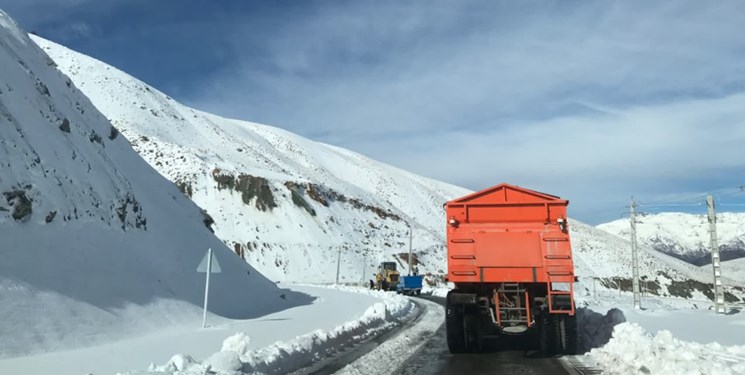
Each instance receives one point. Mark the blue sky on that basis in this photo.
(592, 101)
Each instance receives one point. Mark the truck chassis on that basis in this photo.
(482, 312)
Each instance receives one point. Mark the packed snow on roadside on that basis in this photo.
(389, 357)
(437, 289)
(633, 350)
(661, 339)
(237, 355)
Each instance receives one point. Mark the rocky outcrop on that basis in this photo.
(207, 220)
(65, 126)
(22, 206)
(185, 187)
(673, 287)
(127, 205)
(252, 188)
(326, 196)
(296, 193)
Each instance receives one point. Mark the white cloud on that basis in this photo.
(596, 161)
(596, 100)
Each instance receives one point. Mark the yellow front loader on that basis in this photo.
(387, 276)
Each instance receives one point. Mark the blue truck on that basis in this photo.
(410, 285)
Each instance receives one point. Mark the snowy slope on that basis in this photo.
(732, 269)
(343, 200)
(286, 203)
(686, 236)
(606, 258)
(601, 254)
(96, 245)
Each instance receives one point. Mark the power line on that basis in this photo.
(684, 199)
(673, 200)
(669, 205)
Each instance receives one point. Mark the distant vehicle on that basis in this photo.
(410, 285)
(510, 258)
(387, 277)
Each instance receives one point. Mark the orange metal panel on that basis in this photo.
(506, 193)
(507, 213)
(510, 274)
(508, 234)
(508, 249)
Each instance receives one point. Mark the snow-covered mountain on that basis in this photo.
(96, 245)
(288, 205)
(606, 258)
(686, 236)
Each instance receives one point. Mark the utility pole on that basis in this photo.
(338, 264)
(410, 237)
(635, 258)
(364, 265)
(714, 245)
(594, 287)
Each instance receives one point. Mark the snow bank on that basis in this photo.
(436, 291)
(595, 330)
(634, 351)
(286, 356)
(390, 356)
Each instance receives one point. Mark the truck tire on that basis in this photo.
(454, 324)
(568, 334)
(472, 330)
(547, 334)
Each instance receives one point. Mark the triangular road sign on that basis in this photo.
(203, 264)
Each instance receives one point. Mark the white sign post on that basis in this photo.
(207, 266)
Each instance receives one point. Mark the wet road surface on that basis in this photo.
(511, 357)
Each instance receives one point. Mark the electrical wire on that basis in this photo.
(692, 199)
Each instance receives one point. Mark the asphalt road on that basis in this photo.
(512, 357)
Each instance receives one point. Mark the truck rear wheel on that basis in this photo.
(567, 332)
(454, 327)
(472, 329)
(547, 334)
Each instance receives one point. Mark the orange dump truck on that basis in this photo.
(510, 259)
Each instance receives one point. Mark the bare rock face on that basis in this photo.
(249, 186)
(296, 193)
(207, 220)
(20, 203)
(65, 126)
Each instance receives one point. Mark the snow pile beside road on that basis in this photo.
(287, 356)
(595, 329)
(390, 356)
(634, 351)
(438, 289)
